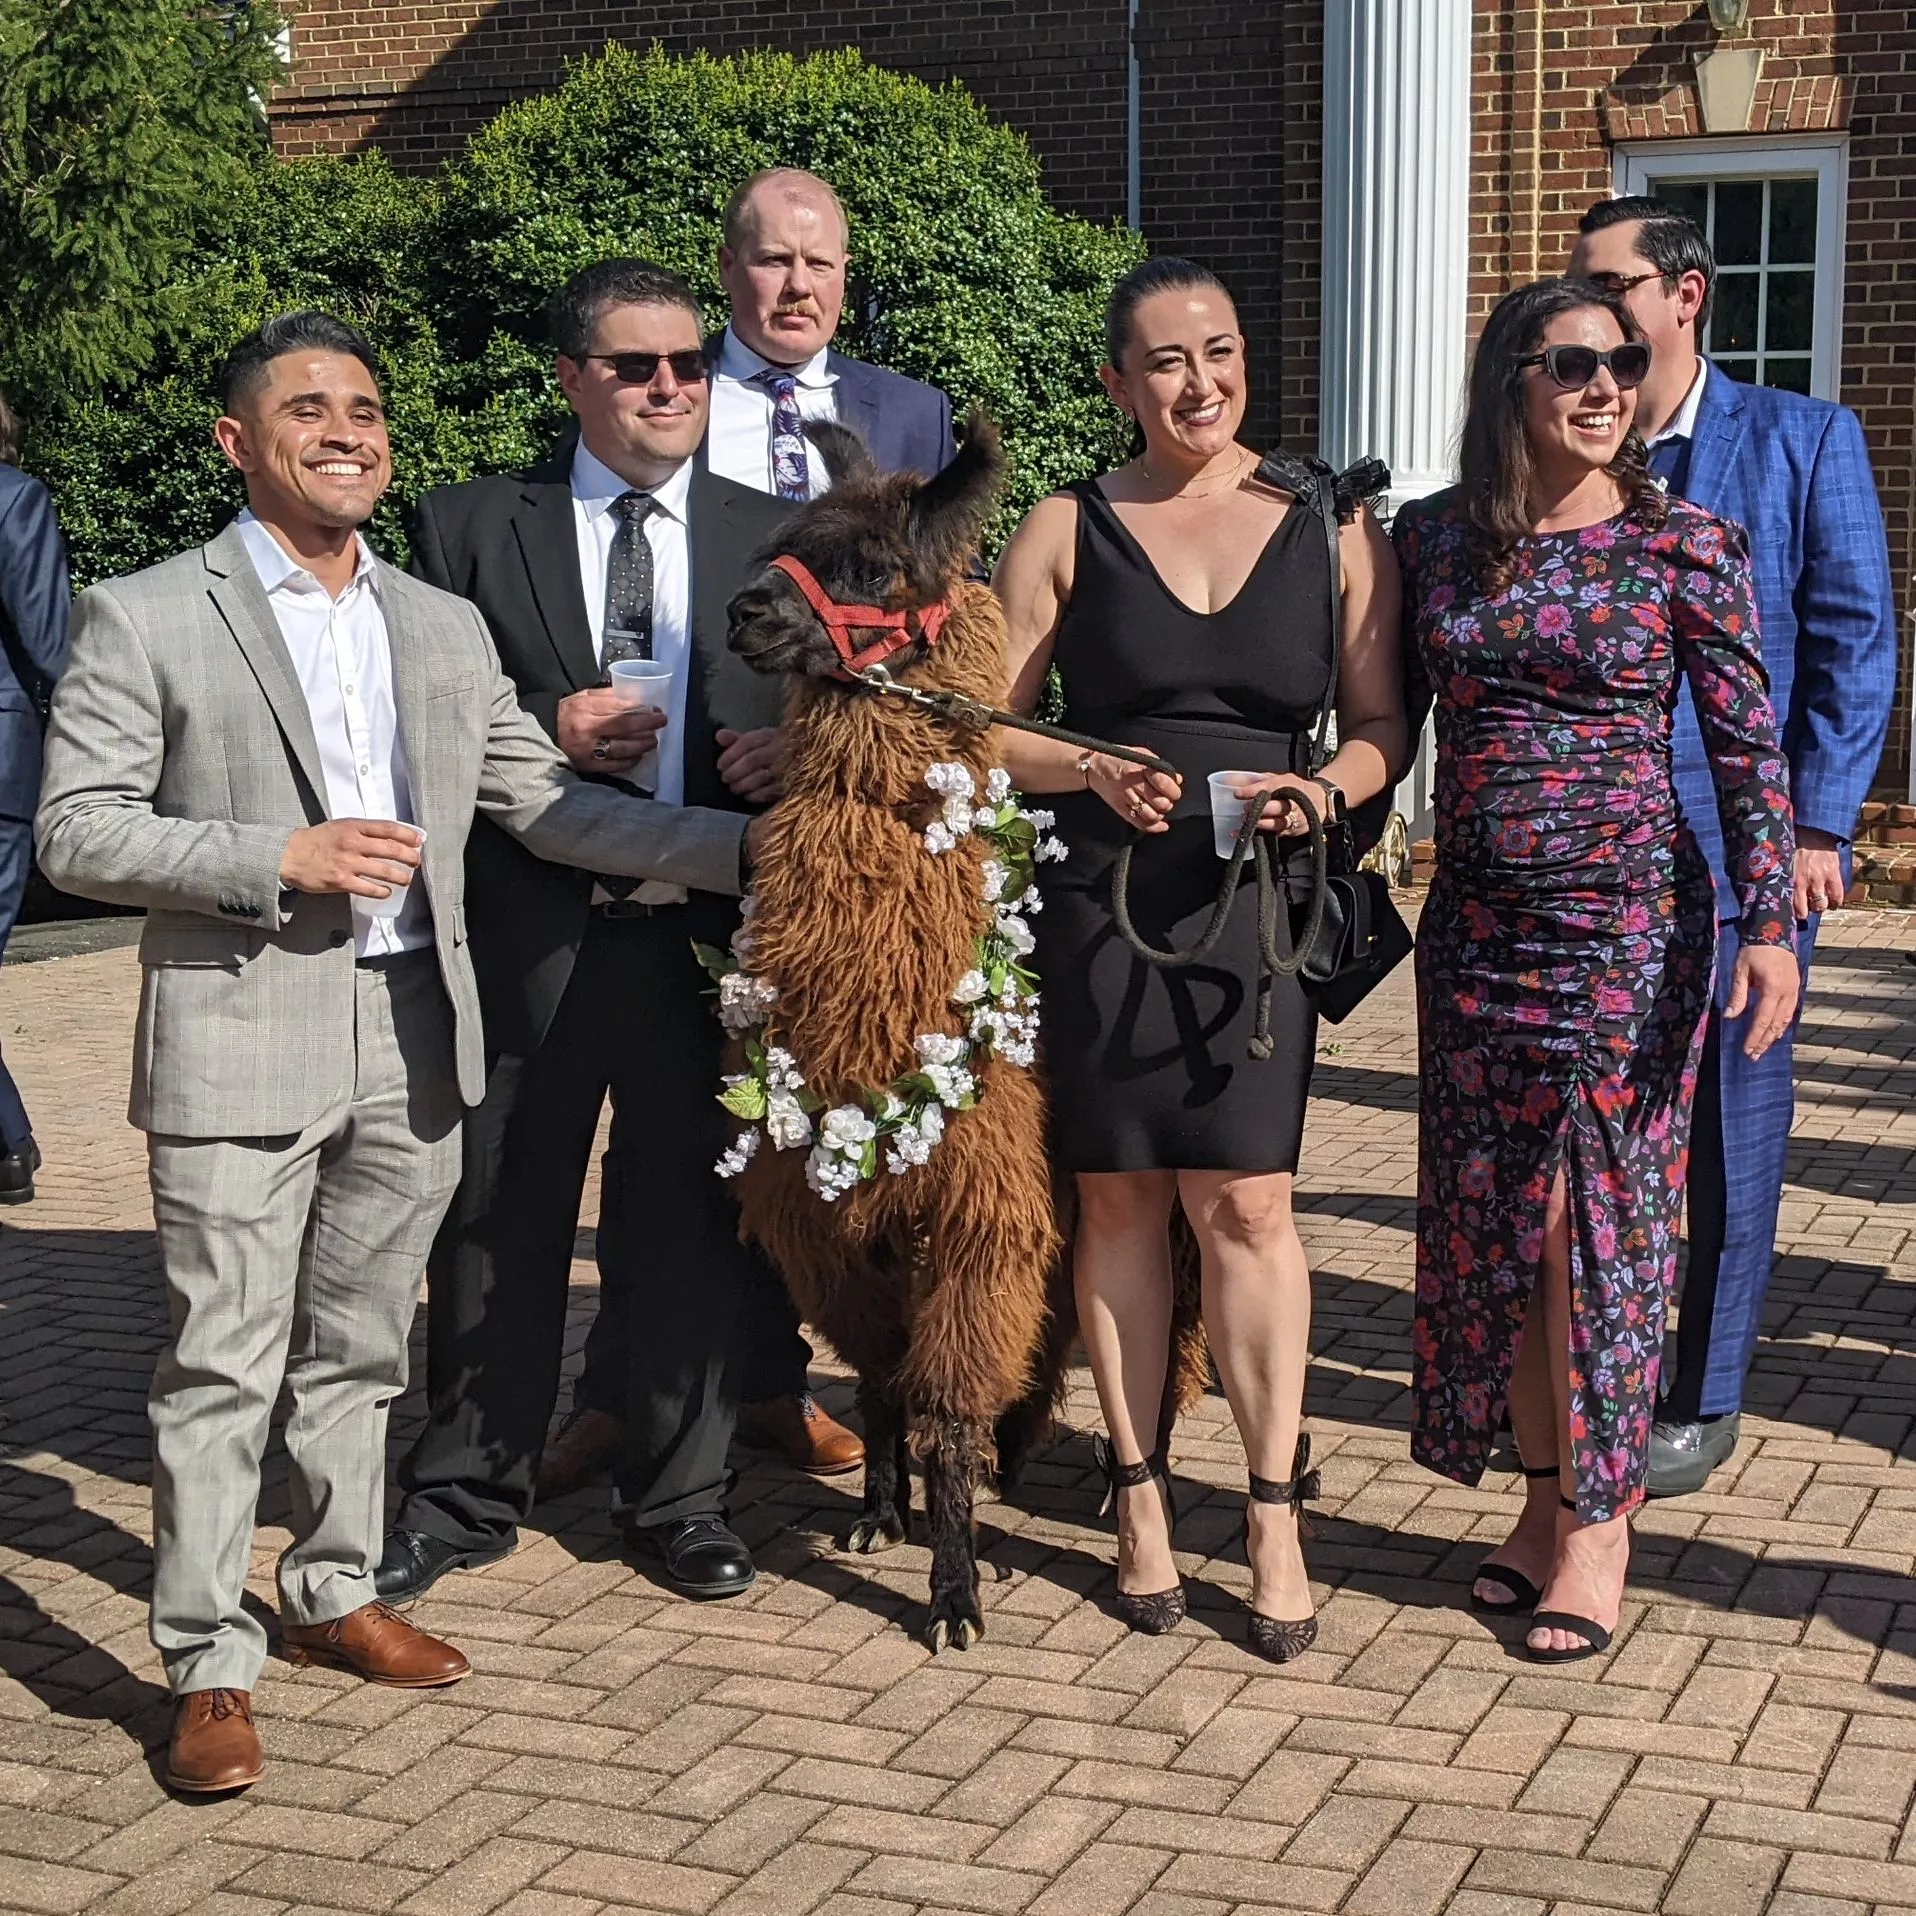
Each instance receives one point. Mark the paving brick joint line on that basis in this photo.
(1747, 1746)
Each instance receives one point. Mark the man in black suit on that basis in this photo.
(619, 549)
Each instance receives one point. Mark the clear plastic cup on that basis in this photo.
(641, 682)
(394, 901)
(1227, 810)
(646, 684)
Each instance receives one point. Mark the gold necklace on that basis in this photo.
(1232, 478)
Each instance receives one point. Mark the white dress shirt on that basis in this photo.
(738, 442)
(1682, 424)
(668, 532)
(343, 655)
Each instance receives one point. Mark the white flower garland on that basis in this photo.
(996, 997)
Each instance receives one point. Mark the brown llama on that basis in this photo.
(913, 1215)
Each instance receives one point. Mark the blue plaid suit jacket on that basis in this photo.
(1795, 473)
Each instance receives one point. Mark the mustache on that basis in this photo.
(807, 308)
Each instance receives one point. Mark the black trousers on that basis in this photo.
(633, 1023)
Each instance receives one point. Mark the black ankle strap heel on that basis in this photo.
(1277, 1639)
(1154, 1613)
(1524, 1595)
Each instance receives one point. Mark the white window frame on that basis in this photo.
(1768, 156)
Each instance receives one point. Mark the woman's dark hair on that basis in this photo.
(1167, 274)
(572, 313)
(9, 434)
(1498, 469)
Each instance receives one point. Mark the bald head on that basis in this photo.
(783, 264)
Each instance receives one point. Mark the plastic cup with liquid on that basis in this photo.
(394, 901)
(1227, 809)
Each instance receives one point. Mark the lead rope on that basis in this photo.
(1272, 964)
(973, 715)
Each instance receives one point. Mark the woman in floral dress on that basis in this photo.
(1556, 600)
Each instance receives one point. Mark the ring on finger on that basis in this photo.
(599, 750)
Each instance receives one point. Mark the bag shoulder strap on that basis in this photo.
(1334, 497)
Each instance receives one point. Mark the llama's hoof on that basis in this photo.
(873, 1534)
(944, 1631)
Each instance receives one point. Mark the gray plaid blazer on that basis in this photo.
(180, 758)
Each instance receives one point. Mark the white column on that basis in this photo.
(1396, 263)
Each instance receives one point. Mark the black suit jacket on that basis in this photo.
(510, 545)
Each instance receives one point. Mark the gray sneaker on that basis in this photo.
(1682, 1456)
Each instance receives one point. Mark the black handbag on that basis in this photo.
(1361, 937)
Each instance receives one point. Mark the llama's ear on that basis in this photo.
(948, 513)
(846, 456)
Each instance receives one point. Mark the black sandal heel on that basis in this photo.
(1279, 1639)
(1154, 1613)
(1596, 1639)
(1524, 1594)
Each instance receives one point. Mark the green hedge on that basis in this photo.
(966, 275)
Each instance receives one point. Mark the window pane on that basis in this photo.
(1793, 375)
(1743, 369)
(1792, 310)
(1739, 222)
(1733, 319)
(1687, 196)
(1792, 222)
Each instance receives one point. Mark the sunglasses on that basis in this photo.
(640, 369)
(1620, 283)
(1573, 367)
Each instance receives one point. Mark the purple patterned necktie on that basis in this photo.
(791, 468)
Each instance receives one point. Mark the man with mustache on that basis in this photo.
(275, 744)
(783, 266)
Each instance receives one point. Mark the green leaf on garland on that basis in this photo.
(746, 1099)
(717, 962)
(868, 1158)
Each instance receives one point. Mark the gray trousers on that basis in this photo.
(294, 1259)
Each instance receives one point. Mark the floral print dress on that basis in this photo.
(1565, 959)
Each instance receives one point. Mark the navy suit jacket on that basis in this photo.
(1795, 473)
(905, 424)
(34, 602)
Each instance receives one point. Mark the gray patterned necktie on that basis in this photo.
(628, 583)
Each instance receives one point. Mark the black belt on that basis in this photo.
(390, 960)
(617, 908)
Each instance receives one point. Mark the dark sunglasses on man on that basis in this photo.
(1573, 367)
(640, 369)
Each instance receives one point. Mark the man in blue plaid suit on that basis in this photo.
(1794, 471)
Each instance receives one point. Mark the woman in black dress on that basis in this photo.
(1187, 608)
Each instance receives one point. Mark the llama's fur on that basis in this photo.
(944, 1287)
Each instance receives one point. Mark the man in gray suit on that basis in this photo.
(276, 744)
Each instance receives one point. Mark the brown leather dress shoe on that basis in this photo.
(586, 1442)
(378, 1644)
(214, 1745)
(800, 1432)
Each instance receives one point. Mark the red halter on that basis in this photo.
(900, 629)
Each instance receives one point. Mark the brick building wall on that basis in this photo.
(1231, 137)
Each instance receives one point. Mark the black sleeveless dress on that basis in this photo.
(1149, 1068)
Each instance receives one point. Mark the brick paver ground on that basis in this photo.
(1748, 1745)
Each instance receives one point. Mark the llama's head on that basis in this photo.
(890, 541)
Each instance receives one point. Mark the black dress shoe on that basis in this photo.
(698, 1556)
(413, 1562)
(1682, 1456)
(16, 1174)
